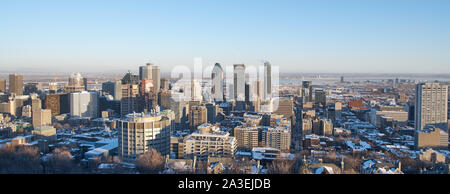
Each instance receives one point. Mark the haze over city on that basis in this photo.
(224, 95)
(298, 36)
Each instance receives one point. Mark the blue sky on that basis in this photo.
(399, 36)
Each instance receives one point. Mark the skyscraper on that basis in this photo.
(84, 104)
(108, 88)
(16, 84)
(431, 105)
(130, 101)
(267, 81)
(320, 97)
(156, 77)
(307, 91)
(52, 102)
(42, 118)
(217, 83)
(239, 82)
(145, 72)
(2, 85)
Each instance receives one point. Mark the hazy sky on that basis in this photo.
(402, 36)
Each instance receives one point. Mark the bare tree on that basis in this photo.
(60, 162)
(19, 160)
(281, 167)
(150, 162)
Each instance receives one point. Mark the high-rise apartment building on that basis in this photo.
(139, 132)
(217, 90)
(210, 141)
(246, 137)
(276, 137)
(16, 84)
(431, 105)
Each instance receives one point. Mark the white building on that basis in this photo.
(431, 104)
(84, 104)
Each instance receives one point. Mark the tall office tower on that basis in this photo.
(164, 84)
(307, 91)
(320, 97)
(52, 102)
(259, 89)
(108, 88)
(36, 104)
(210, 141)
(131, 101)
(342, 79)
(285, 107)
(117, 90)
(196, 91)
(431, 105)
(85, 83)
(247, 93)
(2, 85)
(84, 104)
(239, 82)
(197, 116)
(276, 137)
(130, 78)
(145, 72)
(212, 110)
(246, 137)
(165, 99)
(267, 81)
(16, 84)
(76, 83)
(156, 77)
(64, 103)
(147, 94)
(180, 108)
(217, 91)
(139, 132)
(42, 118)
(326, 127)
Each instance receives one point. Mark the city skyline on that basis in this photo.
(298, 36)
